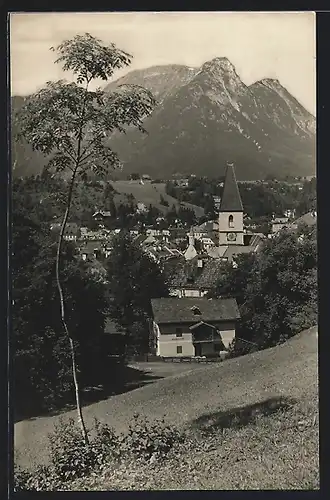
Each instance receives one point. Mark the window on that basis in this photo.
(231, 221)
(178, 332)
(179, 349)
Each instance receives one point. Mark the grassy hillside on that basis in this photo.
(285, 376)
(148, 193)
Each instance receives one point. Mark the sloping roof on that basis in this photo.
(308, 219)
(90, 246)
(280, 220)
(174, 310)
(217, 252)
(231, 198)
(233, 250)
(180, 273)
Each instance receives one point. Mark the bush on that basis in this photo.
(71, 458)
(42, 478)
(146, 439)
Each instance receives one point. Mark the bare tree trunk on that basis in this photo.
(62, 304)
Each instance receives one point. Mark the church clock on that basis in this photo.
(231, 236)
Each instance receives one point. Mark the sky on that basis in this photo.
(279, 45)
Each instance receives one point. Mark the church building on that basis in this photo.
(231, 211)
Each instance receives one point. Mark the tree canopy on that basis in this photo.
(276, 289)
(134, 279)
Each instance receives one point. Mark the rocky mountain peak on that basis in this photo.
(271, 83)
(219, 63)
(220, 68)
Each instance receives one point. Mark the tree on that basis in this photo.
(72, 125)
(209, 207)
(276, 289)
(133, 280)
(39, 343)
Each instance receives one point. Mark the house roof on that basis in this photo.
(280, 220)
(233, 250)
(90, 246)
(181, 273)
(231, 198)
(174, 310)
(206, 227)
(103, 213)
(217, 252)
(308, 219)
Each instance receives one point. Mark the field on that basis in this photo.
(276, 449)
(148, 193)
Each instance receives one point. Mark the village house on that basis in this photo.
(290, 213)
(71, 233)
(101, 216)
(191, 327)
(145, 178)
(279, 223)
(308, 219)
(206, 230)
(90, 249)
(158, 249)
(193, 278)
(217, 202)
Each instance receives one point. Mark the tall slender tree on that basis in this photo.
(72, 126)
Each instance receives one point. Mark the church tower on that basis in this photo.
(231, 211)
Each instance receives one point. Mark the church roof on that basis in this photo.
(231, 198)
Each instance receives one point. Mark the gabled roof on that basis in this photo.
(308, 219)
(231, 198)
(198, 325)
(180, 273)
(233, 250)
(174, 310)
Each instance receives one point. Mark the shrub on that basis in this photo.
(71, 458)
(42, 478)
(105, 444)
(146, 439)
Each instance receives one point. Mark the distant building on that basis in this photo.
(309, 219)
(102, 215)
(191, 251)
(193, 326)
(193, 278)
(217, 202)
(182, 182)
(279, 223)
(71, 233)
(290, 213)
(94, 249)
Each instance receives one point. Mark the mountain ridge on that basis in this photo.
(207, 116)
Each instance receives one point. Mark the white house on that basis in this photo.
(189, 327)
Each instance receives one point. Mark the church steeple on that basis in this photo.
(231, 198)
(231, 230)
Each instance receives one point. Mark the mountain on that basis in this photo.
(207, 116)
(212, 118)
